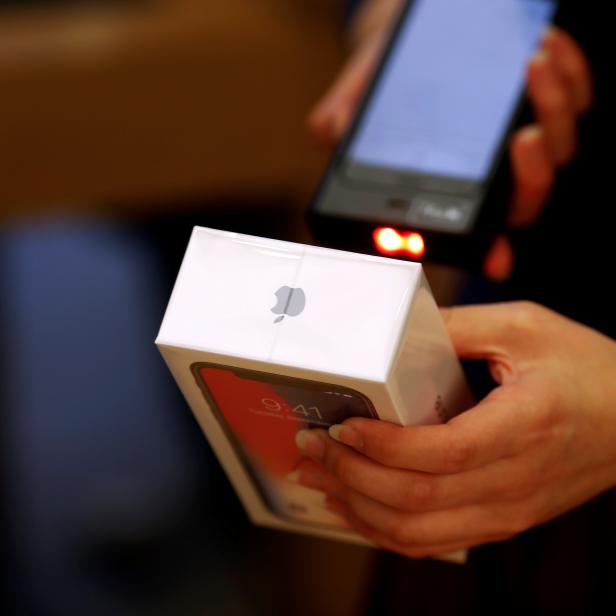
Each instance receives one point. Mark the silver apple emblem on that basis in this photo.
(289, 302)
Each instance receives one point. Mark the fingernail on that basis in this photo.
(346, 435)
(310, 444)
(540, 58)
(531, 133)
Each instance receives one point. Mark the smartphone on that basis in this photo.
(423, 171)
(261, 413)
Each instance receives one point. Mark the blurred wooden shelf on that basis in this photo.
(159, 100)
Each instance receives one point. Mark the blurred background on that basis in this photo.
(122, 124)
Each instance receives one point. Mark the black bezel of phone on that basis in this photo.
(355, 231)
(268, 378)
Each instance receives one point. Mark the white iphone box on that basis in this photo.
(265, 338)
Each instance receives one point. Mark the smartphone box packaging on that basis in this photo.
(265, 338)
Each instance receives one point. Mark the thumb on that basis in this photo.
(332, 115)
(533, 174)
(479, 332)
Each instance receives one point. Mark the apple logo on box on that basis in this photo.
(289, 302)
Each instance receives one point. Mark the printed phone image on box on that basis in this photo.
(266, 338)
(261, 414)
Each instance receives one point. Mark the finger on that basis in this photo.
(498, 263)
(491, 331)
(372, 18)
(450, 551)
(477, 332)
(412, 535)
(472, 440)
(313, 475)
(553, 107)
(533, 175)
(571, 63)
(346, 470)
(332, 115)
(393, 486)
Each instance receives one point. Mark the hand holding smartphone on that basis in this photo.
(427, 150)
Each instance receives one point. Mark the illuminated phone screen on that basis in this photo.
(447, 93)
(261, 414)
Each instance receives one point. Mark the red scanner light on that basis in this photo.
(415, 245)
(390, 241)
